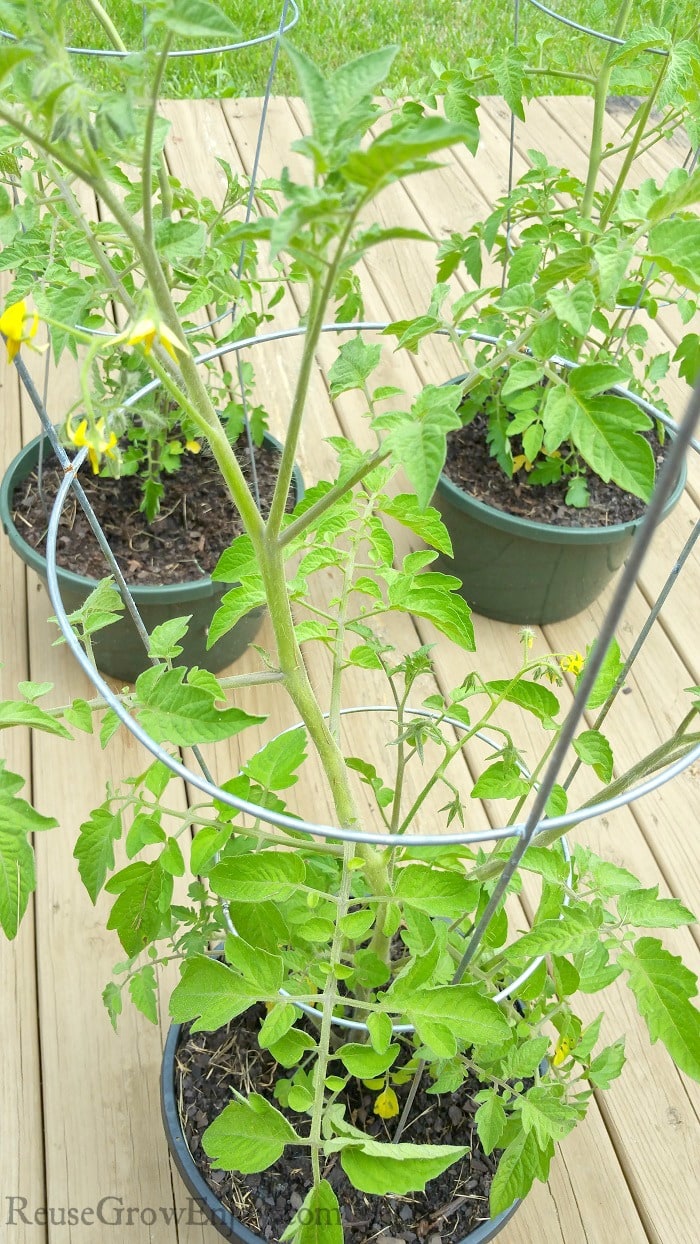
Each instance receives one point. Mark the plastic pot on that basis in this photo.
(226, 1224)
(118, 650)
(516, 570)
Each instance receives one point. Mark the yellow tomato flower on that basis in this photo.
(562, 1050)
(146, 331)
(193, 446)
(386, 1105)
(12, 325)
(527, 637)
(572, 663)
(98, 443)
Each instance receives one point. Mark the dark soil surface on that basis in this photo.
(470, 466)
(197, 520)
(210, 1065)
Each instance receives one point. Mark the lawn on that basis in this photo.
(333, 31)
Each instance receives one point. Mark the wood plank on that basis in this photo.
(21, 1123)
(115, 1149)
(571, 1223)
(587, 1199)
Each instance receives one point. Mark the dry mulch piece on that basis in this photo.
(210, 1065)
(470, 467)
(197, 520)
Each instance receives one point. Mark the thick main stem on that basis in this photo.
(601, 98)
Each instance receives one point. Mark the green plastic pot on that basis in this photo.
(516, 570)
(118, 650)
(215, 1211)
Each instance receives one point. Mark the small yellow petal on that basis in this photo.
(169, 341)
(12, 320)
(193, 447)
(572, 663)
(79, 436)
(12, 348)
(386, 1105)
(562, 1051)
(94, 460)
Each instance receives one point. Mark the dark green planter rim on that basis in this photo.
(190, 589)
(545, 533)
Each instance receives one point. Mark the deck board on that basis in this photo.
(21, 1122)
(630, 1173)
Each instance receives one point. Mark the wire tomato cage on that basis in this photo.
(525, 832)
(536, 823)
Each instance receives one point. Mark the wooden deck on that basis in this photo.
(80, 1121)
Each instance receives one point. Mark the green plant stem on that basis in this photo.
(633, 148)
(107, 24)
(319, 301)
(106, 267)
(341, 489)
(602, 88)
(451, 752)
(329, 999)
(117, 42)
(147, 155)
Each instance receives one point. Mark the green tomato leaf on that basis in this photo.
(210, 994)
(419, 441)
(446, 894)
(400, 152)
(261, 969)
(490, 1119)
(20, 713)
(137, 914)
(318, 1220)
(255, 878)
(571, 933)
(380, 1030)
(425, 523)
(663, 987)
(574, 307)
(461, 1008)
(645, 910)
(607, 1065)
(426, 597)
(605, 432)
(524, 374)
(197, 19)
(544, 1112)
(164, 640)
(94, 848)
(276, 1024)
(18, 820)
(183, 715)
(354, 365)
(247, 1136)
(242, 600)
(531, 696)
(142, 988)
(519, 1166)
(674, 246)
(383, 1170)
(275, 766)
(607, 675)
(593, 749)
(364, 1062)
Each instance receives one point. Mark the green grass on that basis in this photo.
(334, 31)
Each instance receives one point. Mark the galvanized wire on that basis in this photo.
(337, 833)
(589, 30)
(642, 540)
(176, 53)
